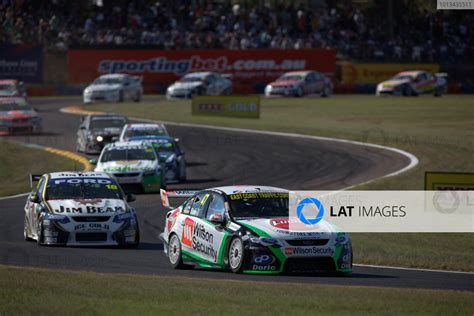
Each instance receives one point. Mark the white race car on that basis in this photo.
(200, 83)
(246, 229)
(135, 165)
(80, 209)
(413, 83)
(114, 88)
(142, 131)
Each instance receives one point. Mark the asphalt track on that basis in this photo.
(218, 158)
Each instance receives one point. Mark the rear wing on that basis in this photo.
(184, 193)
(34, 178)
(441, 74)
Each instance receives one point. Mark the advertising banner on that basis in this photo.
(21, 62)
(449, 181)
(240, 106)
(248, 68)
(375, 73)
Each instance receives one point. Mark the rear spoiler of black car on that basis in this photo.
(34, 178)
(182, 193)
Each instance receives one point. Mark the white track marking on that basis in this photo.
(411, 269)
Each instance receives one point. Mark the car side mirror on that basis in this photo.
(216, 218)
(130, 197)
(82, 127)
(34, 198)
(93, 161)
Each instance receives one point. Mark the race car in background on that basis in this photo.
(135, 165)
(200, 83)
(140, 130)
(300, 83)
(413, 83)
(246, 229)
(80, 209)
(98, 130)
(15, 118)
(114, 88)
(13, 90)
(169, 150)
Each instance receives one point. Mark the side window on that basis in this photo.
(199, 204)
(317, 76)
(188, 204)
(216, 206)
(40, 186)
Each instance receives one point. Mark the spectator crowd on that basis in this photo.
(356, 33)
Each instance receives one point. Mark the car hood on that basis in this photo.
(127, 165)
(17, 114)
(278, 228)
(284, 83)
(185, 85)
(85, 207)
(394, 82)
(102, 87)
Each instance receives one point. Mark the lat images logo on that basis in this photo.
(310, 201)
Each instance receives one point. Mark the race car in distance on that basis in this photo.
(168, 148)
(300, 83)
(80, 209)
(114, 88)
(15, 118)
(246, 229)
(413, 83)
(135, 165)
(97, 130)
(13, 90)
(140, 130)
(199, 83)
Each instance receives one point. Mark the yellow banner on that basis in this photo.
(376, 73)
(234, 106)
(449, 181)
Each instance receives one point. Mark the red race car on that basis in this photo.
(16, 118)
(300, 83)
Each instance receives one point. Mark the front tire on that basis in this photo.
(25, 230)
(236, 255)
(121, 96)
(326, 92)
(40, 233)
(299, 92)
(138, 97)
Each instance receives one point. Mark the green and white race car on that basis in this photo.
(135, 165)
(246, 229)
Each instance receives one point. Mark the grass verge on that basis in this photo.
(15, 159)
(439, 131)
(42, 291)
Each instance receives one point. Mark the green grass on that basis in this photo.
(17, 162)
(439, 131)
(41, 291)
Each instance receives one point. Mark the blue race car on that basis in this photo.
(168, 148)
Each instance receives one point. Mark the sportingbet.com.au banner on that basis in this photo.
(382, 211)
(247, 67)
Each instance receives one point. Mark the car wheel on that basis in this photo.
(138, 97)
(121, 97)
(438, 92)
(406, 90)
(25, 230)
(174, 252)
(236, 255)
(40, 233)
(326, 92)
(227, 91)
(299, 92)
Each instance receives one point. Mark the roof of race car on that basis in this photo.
(78, 174)
(114, 76)
(247, 189)
(105, 116)
(198, 74)
(133, 143)
(8, 81)
(411, 73)
(302, 72)
(145, 126)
